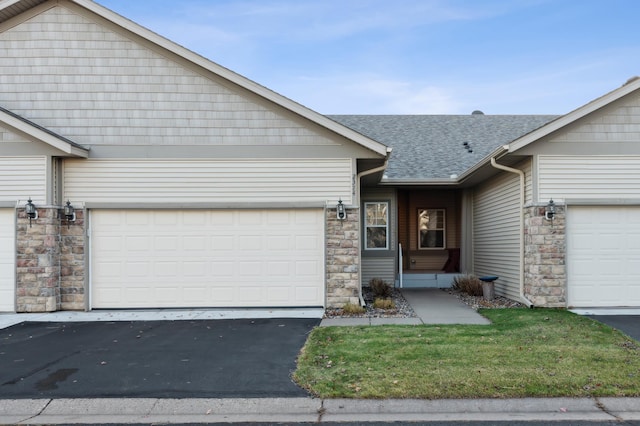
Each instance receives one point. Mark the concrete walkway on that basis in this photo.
(431, 305)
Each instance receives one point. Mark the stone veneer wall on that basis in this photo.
(38, 261)
(545, 273)
(49, 262)
(342, 258)
(72, 264)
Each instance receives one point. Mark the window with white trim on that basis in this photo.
(376, 225)
(431, 229)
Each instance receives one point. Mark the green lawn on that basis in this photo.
(525, 352)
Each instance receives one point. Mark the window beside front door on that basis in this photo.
(376, 223)
(431, 229)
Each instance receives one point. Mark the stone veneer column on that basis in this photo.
(50, 263)
(545, 273)
(72, 264)
(342, 258)
(38, 261)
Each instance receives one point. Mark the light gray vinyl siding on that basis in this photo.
(378, 267)
(97, 84)
(588, 177)
(208, 181)
(612, 128)
(496, 228)
(23, 177)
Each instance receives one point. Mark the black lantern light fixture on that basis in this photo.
(340, 210)
(550, 210)
(69, 213)
(30, 210)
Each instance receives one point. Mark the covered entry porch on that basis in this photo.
(412, 237)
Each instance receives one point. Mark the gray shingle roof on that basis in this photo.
(431, 146)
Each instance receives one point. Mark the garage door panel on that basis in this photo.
(279, 294)
(194, 243)
(137, 269)
(306, 268)
(212, 258)
(223, 242)
(222, 269)
(167, 269)
(307, 242)
(603, 256)
(105, 268)
(307, 293)
(633, 242)
(278, 269)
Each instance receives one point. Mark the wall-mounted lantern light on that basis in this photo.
(31, 211)
(550, 210)
(69, 213)
(341, 212)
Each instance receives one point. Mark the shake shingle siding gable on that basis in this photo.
(428, 147)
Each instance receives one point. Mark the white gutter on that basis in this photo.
(520, 173)
(359, 177)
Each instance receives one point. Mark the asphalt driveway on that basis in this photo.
(628, 324)
(159, 359)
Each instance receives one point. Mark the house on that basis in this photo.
(192, 186)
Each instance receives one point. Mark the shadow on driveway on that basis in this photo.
(156, 359)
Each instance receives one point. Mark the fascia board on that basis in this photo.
(574, 115)
(418, 182)
(6, 3)
(233, 77)
(45, 137)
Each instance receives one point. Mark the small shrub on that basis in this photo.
(380, 288)
(352, 309)
(386, 304)
(469, 284)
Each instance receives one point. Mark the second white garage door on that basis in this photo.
(603, 256)
(202, 258)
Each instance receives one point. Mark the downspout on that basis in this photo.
(520, 173)
(359, 177)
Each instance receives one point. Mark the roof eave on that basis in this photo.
(21, 125)
(497, 153)
(419, 182)
(233, 77)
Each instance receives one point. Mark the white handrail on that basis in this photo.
(400, 264)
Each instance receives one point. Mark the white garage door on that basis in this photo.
(603, 256)
(202, 258)
(7, 256)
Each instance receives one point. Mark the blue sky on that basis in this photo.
(411, 56)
